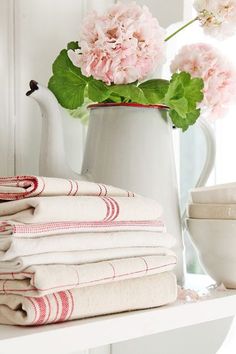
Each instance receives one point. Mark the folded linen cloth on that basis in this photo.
(218, 194)
(212, 211)
(50, 209)
(61, 228)
(19, 187)
(12, 247)
(46, 279)
(18, 264)
(125, 295)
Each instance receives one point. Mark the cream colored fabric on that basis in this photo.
(18, 264)
(218, 194)
(132, 294)
(43, 280)
(51, 209)
(18, 187)
(12, 247)
(212, 211)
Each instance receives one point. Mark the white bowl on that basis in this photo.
(215, 241)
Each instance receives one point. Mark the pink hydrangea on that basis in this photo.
(123, 45)
(219, 75)
(218, 17)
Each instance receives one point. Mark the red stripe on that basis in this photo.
(123, 104)
(65, 305)
(105, 189)
(71, 187)
(117, 208)
(109, 210)
(100, 190)
(77, 187)
(112, 208)
(57, 307)
(42, 310)
(72, 304)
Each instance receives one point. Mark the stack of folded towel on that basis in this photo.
(74, 249)
(216, 202)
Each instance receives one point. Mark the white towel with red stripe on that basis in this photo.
(85, 209)
(113, 297)
(80, 257)
(43, 280)
(19, 187)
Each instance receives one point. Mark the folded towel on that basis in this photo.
(80, 257)
(47, 279)
(12, 247)
(49, 209)
(113, 297)
(19, 187)
(218, 194)
(11, 228)
(212, 211)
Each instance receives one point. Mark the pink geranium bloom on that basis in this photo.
(123, 45)
(218, 17)
(219, 75)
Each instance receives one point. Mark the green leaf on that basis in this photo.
(181, 122)
(67, 83)
(181, 106)
(73, 45)
(129, 92)
(69, 92)
(193, 92)
(97, 91)
(63, 65)
(183, 95)
(154, 90)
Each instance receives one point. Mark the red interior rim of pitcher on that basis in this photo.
(122, 104)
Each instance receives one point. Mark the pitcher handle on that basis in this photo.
(210, 157)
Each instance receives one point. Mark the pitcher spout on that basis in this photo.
(52, 151)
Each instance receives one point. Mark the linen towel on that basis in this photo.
(12, 247)
(50, 209)
(43, 280)
(19, 187)
(212, 211)
(61, 228)
(18, 264)
(218, 194)
(125, 295)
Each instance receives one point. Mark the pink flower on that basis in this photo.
(123, 45)
(218, 17)
(219, 75)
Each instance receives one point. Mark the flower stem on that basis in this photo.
(181, 28)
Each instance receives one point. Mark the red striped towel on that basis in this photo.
(19, 187)
(86, 209)
(125, 295)
(46, 279)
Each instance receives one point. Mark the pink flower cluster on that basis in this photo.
(219, 75)
(123, 45)
(218, 17)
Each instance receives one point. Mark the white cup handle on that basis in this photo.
(210, 157)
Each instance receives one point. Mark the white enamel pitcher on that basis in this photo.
(128, 146)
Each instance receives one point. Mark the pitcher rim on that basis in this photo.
(123, 104)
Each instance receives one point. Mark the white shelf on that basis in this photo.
(80, 335)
